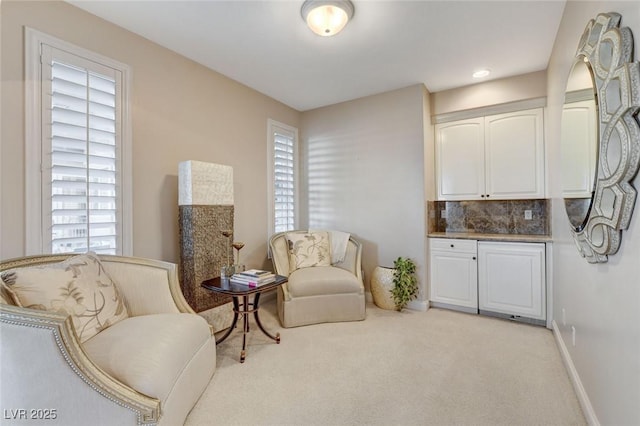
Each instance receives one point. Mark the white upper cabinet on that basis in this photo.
(460, 159)
(514, 155)
(494, 157)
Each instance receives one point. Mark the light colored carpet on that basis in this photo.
(410, 368)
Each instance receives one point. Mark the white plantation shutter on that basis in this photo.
(283, 177)
(81, 183)
(283, 182)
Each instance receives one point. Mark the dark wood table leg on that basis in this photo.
(256, 300)
(224, 286)
(245, 326)
(233, 323)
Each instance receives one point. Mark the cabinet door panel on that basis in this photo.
(511, 278)
(514, 155)
(454, 279)
(460, 159)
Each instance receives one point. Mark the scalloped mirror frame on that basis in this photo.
(609, 50)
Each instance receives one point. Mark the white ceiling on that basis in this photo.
(388, 44)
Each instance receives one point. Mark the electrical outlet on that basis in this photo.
(573, 335)
(528, 215)
(443, 214)
(564, 317)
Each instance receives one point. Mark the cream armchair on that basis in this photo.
(320, 293)
(149, 368)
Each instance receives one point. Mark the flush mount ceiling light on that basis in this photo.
(481, 73)
(326, 17)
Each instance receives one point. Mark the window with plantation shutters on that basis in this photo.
(283, 177)
(82, 177)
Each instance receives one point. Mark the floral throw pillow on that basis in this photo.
(308, 249)
(79, 287)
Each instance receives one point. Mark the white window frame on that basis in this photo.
(34, 219)
(272, 126)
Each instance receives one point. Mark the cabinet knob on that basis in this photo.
(487, 195)
(451, 245)
(482, 196)
(474, 258)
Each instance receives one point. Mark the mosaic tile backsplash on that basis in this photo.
(490, 217)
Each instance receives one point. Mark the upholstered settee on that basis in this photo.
(333, 292)
(147, 365)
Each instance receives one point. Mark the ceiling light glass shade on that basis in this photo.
(327, 18)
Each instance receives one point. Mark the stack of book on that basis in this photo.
(253, 277)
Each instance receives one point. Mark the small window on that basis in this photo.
(283, 181)
(78, 143)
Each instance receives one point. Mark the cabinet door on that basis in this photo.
(460, 159)
(514, 155)
(454, 279)
(511, 279)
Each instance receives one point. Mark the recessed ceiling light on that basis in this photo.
(481, 73)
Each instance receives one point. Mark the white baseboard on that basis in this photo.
(583, 398)
(414, 305)
(418, 305)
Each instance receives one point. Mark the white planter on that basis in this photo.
(381, 285)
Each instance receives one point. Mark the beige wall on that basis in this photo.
(601, 301)
(180, 111)
(365, 173)
(504, 90)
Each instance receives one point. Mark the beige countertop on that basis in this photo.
(492, 237)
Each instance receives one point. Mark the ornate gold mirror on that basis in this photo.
(600, 137)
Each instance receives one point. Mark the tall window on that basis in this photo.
(76, 134)
(283, 181)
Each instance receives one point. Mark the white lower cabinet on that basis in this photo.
(511, 279)
(454, 274)
(494, 278)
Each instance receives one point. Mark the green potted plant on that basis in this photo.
(405, 283)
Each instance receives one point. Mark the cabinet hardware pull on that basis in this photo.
(474, 258)
(451, 245)
(482, 195)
